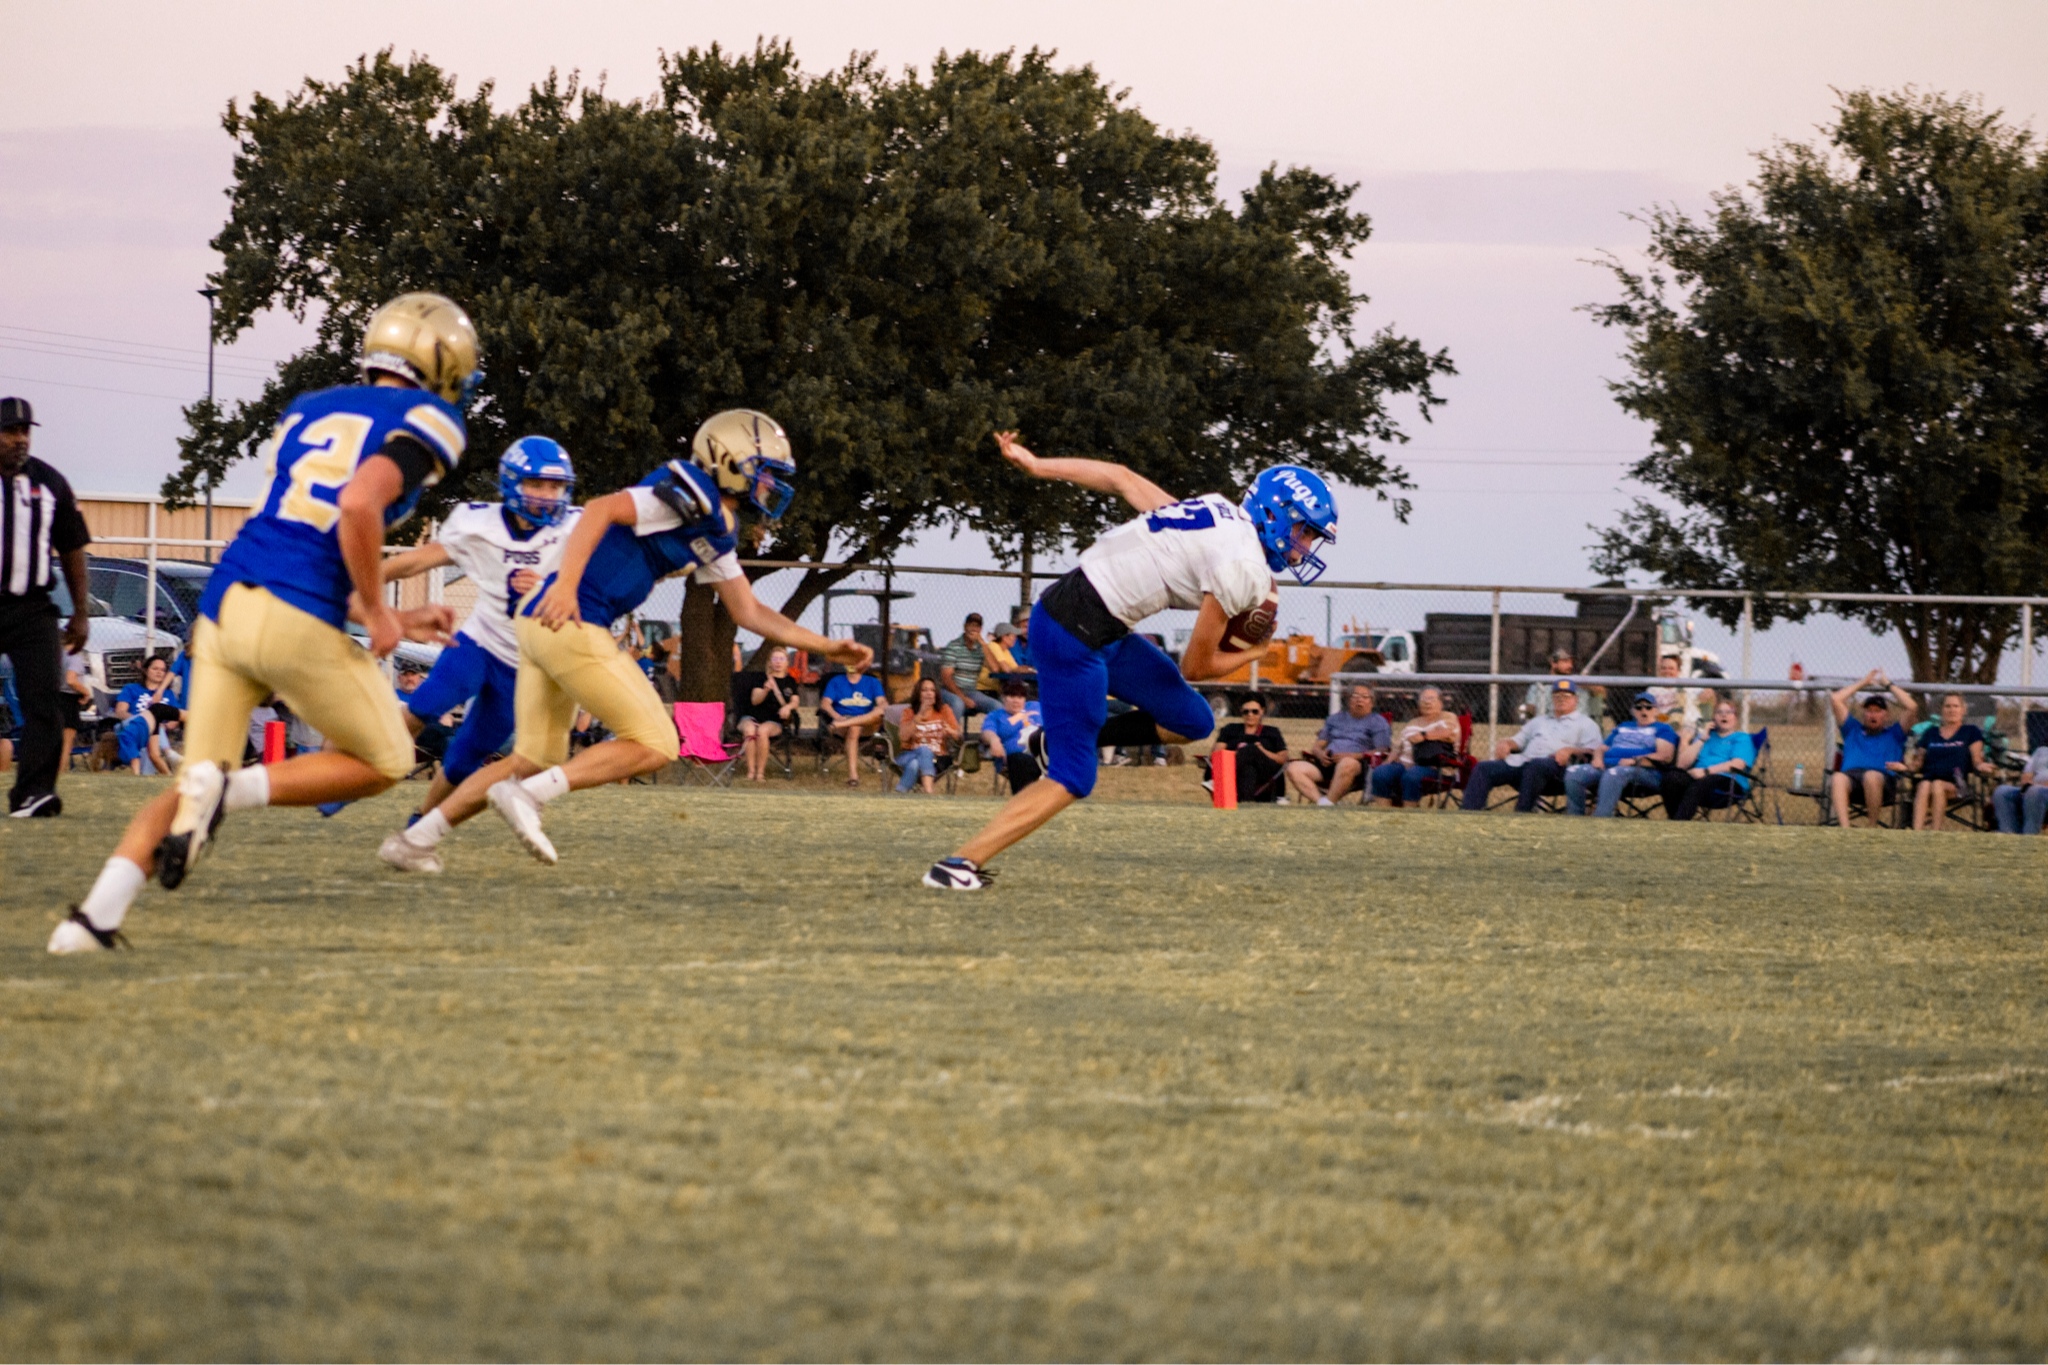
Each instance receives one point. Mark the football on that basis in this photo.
(1250, 629)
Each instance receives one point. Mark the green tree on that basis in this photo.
(1846, 375)
(894, 266)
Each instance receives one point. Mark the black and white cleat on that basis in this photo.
(77, 934)
(202, 798)
(957, 874)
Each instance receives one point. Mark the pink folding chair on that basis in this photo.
(700, 723)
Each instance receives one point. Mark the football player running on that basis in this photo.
(506, 549)
(681, 516)
(1206, 554)
(348, 462)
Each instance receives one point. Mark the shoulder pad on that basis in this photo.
(686, 490)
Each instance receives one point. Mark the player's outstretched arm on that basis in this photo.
(416, 561)
(751, 613)
(558, 606)
(1204, 658)
(1101, 475)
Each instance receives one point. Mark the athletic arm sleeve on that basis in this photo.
(419, 466)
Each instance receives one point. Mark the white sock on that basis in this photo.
(429, 829)
(106, 905)
(546, 786)
(248, 788)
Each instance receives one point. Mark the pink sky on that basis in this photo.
(1498, 145)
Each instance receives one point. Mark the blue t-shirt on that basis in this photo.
(850, 698)
(1630, 740)
(681, 524)
(1015, 731)
(1721, 748)
(293, 546)
(1943, 758)
(1344, 733)
(1861, 749)
(137, 697)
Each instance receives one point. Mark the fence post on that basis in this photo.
(1024, 573)
(1747, 603)
(2026, 664)
(882, 654)
(149, 607)
(1493, 689)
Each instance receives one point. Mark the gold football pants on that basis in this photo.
(581, 665)
(262, 644)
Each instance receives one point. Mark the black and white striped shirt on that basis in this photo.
(39, 519)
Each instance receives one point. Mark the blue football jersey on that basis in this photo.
(292, 547)
(682, 524)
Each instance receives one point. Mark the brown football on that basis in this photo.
(1250, 629)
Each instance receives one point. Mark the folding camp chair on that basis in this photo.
(707, 760)
(1446, 785)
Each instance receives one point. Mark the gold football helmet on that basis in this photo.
(748, 453)
(427, 339)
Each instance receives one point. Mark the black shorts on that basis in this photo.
(1891, 780)
(69, 705)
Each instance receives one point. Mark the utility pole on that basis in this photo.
(210, 295)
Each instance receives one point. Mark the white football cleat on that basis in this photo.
(202, 797)
(77, 935)
(957, 874)
(516, 806)
(407, 856)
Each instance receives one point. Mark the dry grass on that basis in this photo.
(1283, 1083)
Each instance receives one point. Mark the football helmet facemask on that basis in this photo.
(536, 457)
(427, 340)
(1282, 499)
(748, 453)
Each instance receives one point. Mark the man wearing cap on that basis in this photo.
(39, 518)
(1534, 760)
(1873, 745)
(1536, 701)
(1637, 750)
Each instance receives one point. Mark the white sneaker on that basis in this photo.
(202, 797)
(1324, 801)
(407, 856)
(1281, 801)
(516, 806)
(77, 935)
(1158, 762)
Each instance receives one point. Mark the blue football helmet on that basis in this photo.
(1282, 498)
(536, 457)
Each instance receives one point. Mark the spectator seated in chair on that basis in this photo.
(1713, 768)
(668, 679)
(930, 733)
(1534, 760)
(1873, 746)
(2020, 805)
(959, 675)
(998, 664)
(142, 711)
(1425, 745)
(1947, 753)
(1337, 758)
(1015, 737)
(1636, 753)
(1260, 750)
(771, 709)
(850, 711)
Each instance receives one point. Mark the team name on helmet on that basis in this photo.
(1282, 498)
(748, 454)
(536, 457)
(427, 340)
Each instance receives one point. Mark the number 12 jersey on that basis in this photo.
(292, 547)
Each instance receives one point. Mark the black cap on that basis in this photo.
(15, 412)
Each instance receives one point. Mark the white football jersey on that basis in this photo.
(483, 547)
(1170, 557)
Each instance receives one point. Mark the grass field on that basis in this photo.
(1272, 1083)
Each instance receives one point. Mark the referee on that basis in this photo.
(39, 517)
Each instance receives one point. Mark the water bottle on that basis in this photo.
(1799, 777)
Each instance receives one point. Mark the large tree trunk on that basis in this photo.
(706, 631)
